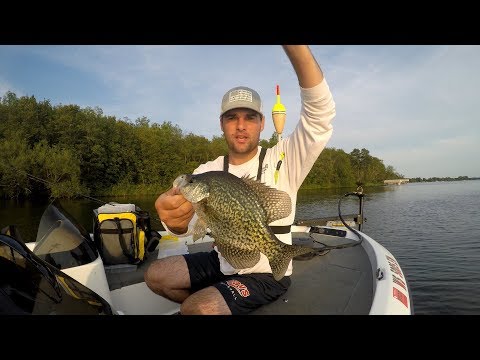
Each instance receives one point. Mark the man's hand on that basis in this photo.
(174, 210)
(306, 67)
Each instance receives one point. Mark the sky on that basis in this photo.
(416, 107)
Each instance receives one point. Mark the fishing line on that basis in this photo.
(82, 195)
(50, 183)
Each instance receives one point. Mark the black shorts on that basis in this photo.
(242, 293)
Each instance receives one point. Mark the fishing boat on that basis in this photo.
(62, 272)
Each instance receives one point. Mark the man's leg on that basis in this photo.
(176, 277)
(169, 277)
(195, 280)
(208, 301)
(236, 294)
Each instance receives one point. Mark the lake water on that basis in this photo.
(431, 228)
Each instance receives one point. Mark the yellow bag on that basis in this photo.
(122, 237)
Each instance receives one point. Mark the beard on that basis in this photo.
(242, 148)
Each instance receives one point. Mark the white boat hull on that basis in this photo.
(390, 290)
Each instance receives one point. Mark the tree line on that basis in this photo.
(64, 151)
(448, 178)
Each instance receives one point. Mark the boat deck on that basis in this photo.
(343, 275)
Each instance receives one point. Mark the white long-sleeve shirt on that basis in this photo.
(301, 149)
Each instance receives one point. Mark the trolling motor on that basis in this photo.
(359, 219)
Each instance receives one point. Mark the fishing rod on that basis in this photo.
(50, 183)
(82, 195)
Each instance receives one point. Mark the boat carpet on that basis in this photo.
(338, 282)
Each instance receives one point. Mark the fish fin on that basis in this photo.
(199, 229)
(277, 203)
(239, 258)
(279, 264)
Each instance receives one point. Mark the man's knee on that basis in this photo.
(164, 273)
(207, 301)
(154, 274)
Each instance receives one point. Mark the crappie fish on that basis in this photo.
(237, 211)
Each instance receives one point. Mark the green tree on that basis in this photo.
(270, 142)
(59, 169)
(14, 167)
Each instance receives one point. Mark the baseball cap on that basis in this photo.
(241, 97)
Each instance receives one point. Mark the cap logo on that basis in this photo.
(240, 95)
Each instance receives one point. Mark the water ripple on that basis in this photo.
(433, 230)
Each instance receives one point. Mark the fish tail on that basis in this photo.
(279, 264)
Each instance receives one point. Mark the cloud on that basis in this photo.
(5, 86)
(403, 103)
(411, 106)
(456, 156)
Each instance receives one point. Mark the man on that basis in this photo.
(205, 283)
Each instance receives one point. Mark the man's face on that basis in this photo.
(242, 129)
